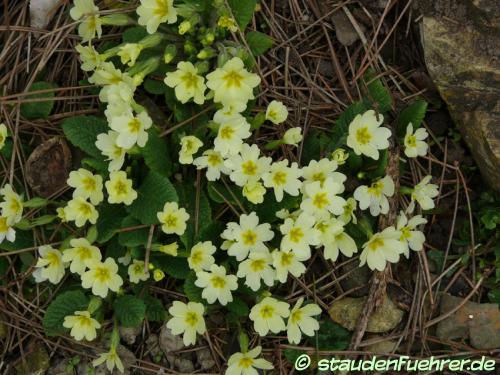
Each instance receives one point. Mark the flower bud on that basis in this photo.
(292, 136)
(116, 19)
(158, 274)
(169, 54)
(340, 156)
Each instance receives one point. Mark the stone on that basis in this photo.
(382, 347)
(480, 322)
(170, 344)
(60, 366)
(346, 312)
(461, 40)
(344, 30)
(358, 279)
(35, 362)
(48, 167)
(205, 359)
(129, 334)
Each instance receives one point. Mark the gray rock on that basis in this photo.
(170, 344)
(480, 322)
(382, 347)
(358, 277)
(60, 366)
(344, 30)
(153, 347)
(461, 40)
(129, 334)
(346, 312)
(205, 359)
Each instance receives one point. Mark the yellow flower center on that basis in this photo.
(196, 257)
(249, 237)
(134, 125)
(214, 160)
(161, 9)
(320, 176)
(233, 79)
(218, 282)
(89, 183)
(249, 168)
(286, 259)
(170, 220)
(257, 265)
(3, 225)
(296, 234)
(190, 80)
(102, 274)
(322, 227)
(226, 132)
(2, 139)
(320, 200)
(405, 233)
(411, 141)
(83, 253)
(296, 316)
(84, 321)
(191, 318)
(267, 312)
(245, 362)
(15, 205)
(363, 136)
(375, 244)
(279, 178)
(120, 188)
(138, 269)
(53, 259)
(85, 209)
(376, 188)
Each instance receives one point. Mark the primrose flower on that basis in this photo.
(230, 136)
(247, 363)
(286, 262)
(348, 214)
(301, 321)
(170, 249)
(188, 320)
(131, 129)
(213, 161)
(173, 219)
(232, 83)
(87, 185)
(229, 112)
(334, 238)
(282, 178)
(292, 136)
(366, 136)
(254, 191)
(90, 58)
(189, 146)
(129, 52)
(154, 12)
(299, 235)
(227, 23)
(136, 272)
(276, 112)
(79, 254)
(106, 142)
(320, 170)
(423, 193)
(82, 325)
(375, 196)
(49, 265)
(119, 188)
(268, 315)
(12, 206)
(107, 74)
(410, 237)
(247, 166)
(91, 23)
(80, 211)
(320, 200)
(216, 284)
(201, 257)
(112, 360)
(414, 142)
(102, 277)
(6, 231)
(248, 235)
(382, 247)
(187, 83)
(257, 268)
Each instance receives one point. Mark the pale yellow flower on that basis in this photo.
(86, 185)
(6, 231)
(129, 52)
(299, 235)
(227, 23)
(411, 238)
(256, 269)
(248, 165)
(80, 211)
(90, 58)
(292, 136)
(136, 272)
(173, 218)
(321, 200)
(424, 193)
(102, 277)
(301, 321)
(286, 262)
(112, 360)
(187, 83)
(119, 188)
(247, 363)
(268, 315)
(79, 254)
(366, 136)
(232, 131)
(335, 239)
(254, 191)
(49, 265)
(375, 196)
(187, 319)
(216, 284)
(201, 257)
(276, 112)
(320, 170)
(106, 142)
(82, 325)
(131, 129)
(12, 205)
(90, 24)
(154, 12)
(283, 178)
(414, 142)
(170, 249)
(381, 248)
(189, 146)
(213, 161)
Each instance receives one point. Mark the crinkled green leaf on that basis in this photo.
(65, 304)
(378, 92)
(129, 310)
(131, 238)
(155, 87)
(41, 109)
(177, 267)
(134, 34)
(156, 155)
(414, 113)
(82, 132)
(238, 307)
(192, 292)
(155, 312)
(109, 221)
(258, 42)
(242, 11)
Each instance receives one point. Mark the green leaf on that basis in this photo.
(130, 310)
(378, 92)
(218, 192)
(266, 211)
(134, 34)
(155, 87)
(332, 336)
(211, 232)
(156, 154)
(155, 312)
(258, 42)
(24, 239)
(291, 355)
(176, 267)
(192, 292)
(494, 296)
(65, 304)
(154, 192)
(137, 237)
(4, 266)
(82, 132)
(42, 109)
(238, 307)
(98, 165)
(379, 166)
(108, 222)
(242, 11)
(414, 113)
